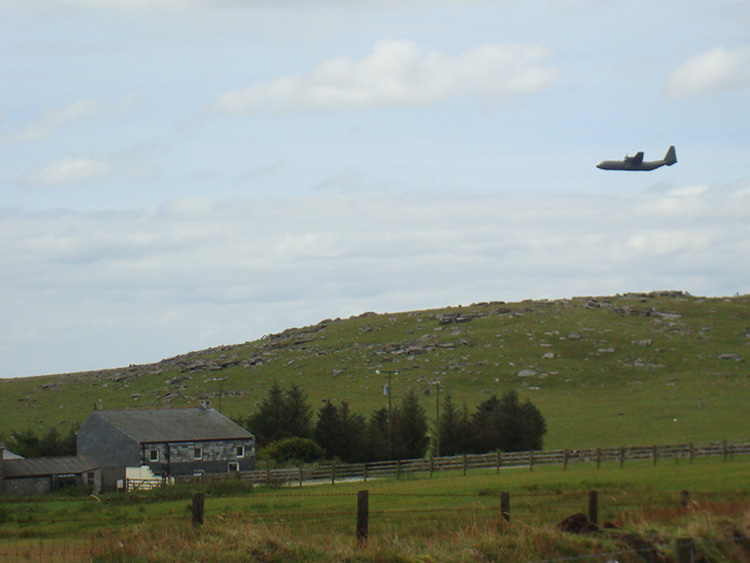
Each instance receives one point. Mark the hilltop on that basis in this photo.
(604, 371)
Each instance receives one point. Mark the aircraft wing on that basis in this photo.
(637, 158)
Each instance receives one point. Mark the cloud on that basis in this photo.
(398, 73)
(132, 283)
(716, 70)
(49, 122)
(345, 180)
(185, 5)
(69, 171)
(137, 163)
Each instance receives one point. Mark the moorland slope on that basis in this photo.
(605, 371)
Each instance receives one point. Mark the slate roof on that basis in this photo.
(40, 466)
(174, 424)
(7, 454)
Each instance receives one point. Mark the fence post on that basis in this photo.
(654, 453)
(594, 507)
(464, 463)
(598, 457)
(724, 449)
(333, 473)
(198, 503)
(692, 452)
(300, 475)
(684, 499)
(531, 461)
(565, 460)
(505, 505)
(498, 462)
(364, 472)
(622, 456)
(363, 517)
(685, 550)
(398, 469)
(432, 465)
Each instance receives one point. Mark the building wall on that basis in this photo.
(215, 456)
(27, 486)
(106, 444)
(43, 484)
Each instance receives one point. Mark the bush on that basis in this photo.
(295, 448)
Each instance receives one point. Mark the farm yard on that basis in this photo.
(642, 508)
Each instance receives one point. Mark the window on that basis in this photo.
(198, 473)
(240, 451)
(197, 452)
(234, 466)
(154, 455)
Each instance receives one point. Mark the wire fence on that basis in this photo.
(381, 512)
(403, 510)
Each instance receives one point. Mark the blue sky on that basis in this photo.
(179, 175)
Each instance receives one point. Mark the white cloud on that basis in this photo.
(49, 122)
(249, 267)
(398, 73)
(69, 171)
(137, 163)
(716, 70)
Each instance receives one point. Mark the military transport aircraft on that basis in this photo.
(636, 162)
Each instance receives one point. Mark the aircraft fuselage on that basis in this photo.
(636, 163)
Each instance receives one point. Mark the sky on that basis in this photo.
(178, 175)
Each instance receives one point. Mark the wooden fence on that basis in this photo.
(337, 472)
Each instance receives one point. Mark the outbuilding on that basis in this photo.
(37, 476)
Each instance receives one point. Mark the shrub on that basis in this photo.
(295, 448)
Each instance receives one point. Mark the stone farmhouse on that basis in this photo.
(165, 443)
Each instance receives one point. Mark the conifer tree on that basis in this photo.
(328, 429)
(454, 428)
(409, 429)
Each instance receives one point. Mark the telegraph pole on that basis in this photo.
(390, 411)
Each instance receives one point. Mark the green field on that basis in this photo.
(450, 517)
(632, 369)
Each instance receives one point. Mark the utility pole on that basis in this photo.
(437, 422)
(390, 410)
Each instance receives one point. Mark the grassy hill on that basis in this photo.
(605, 371)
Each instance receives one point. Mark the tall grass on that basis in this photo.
(450, 517)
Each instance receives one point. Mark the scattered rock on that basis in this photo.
(526, 373)
(732, 357)
(448, 318)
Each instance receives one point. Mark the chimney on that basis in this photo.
(205, 404)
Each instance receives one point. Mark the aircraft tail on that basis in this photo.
(671, 157)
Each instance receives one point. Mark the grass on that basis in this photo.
(624, 370)
(450, 517)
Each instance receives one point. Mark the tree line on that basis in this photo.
(27, 443)
(285, 427)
